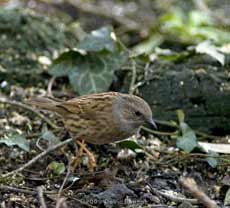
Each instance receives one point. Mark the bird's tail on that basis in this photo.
(44, 103)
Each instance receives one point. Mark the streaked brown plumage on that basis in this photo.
(100, 118)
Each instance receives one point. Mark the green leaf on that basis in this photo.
(93, 70)
(16, 140)
(89, 73)
(173, 19)
(174, 56)
(192, 27)
(64, 64)
(180, 115)
(129, 144)
(188, 140)
(57, 167)
(49, 136)
(148, 46)
(208, 48)
(99, 40)
(212, 161)
(91, 67)
(197, 18)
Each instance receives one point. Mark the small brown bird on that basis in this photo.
(100, 118)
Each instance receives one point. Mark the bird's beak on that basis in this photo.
(152, 124)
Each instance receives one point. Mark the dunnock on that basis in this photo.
(100, 118)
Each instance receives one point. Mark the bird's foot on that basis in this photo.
(92, 160)
(81, 152)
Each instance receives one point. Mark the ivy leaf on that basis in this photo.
(63, 65)
(188, 140)
(57, 167)
(16, 140)
(129, 144)
(90, 67)
(212, 161)
(98, 40)
(89, 73)
(49, 136)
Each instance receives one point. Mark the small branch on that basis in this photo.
(97, 10)
(61, 203)
(50, 85)
(167, 123)
(175, 125)
(18, 190)
(29, 135)
(204, 135)
(134, 77)
(38, 157)
(6, 101)
(190, 185)
(41, 197)
(170, 197)
(27, 190)
(59, 197)
(159, 132)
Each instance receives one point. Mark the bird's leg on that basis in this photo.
(92, 160)
(76, 161)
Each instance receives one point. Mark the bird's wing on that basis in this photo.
(90, 105)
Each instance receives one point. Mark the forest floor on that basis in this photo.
(149, 170)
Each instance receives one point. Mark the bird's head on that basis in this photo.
(131, 112)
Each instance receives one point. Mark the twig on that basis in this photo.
(49, 88)
(38, 145)
(134, 76)
(159, 132)
(190, 185)
(4, 100)
(175, 125)
(29, 135)
(138, 84)
(38, 157)
(41, 197)
(61, 203)
(204, 135)
(18, 190)
(96, 10)
(26, 190)
(172, 124)
(176, 159)
(59, 198)
(123, 47)
(170, 197)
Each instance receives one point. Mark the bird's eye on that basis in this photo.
(138, 113)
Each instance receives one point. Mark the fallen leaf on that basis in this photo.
(16, 140)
